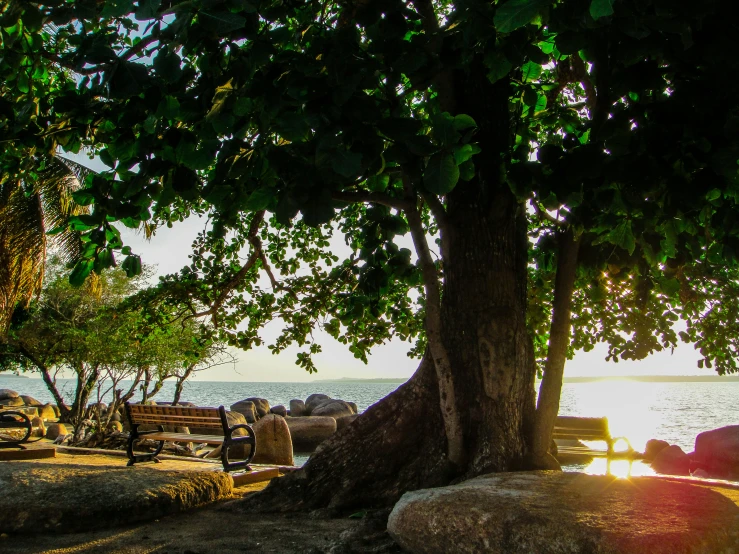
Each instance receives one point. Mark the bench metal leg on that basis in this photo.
(133, 436)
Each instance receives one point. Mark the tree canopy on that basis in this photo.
(516, 134)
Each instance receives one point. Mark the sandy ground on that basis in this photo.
(218, 527)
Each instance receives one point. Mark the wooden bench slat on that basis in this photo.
(183, 437)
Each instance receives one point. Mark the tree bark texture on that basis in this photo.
(396, 445)
(400, 443)
(550, 388)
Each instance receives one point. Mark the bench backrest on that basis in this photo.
(581, 427)
(175, 415)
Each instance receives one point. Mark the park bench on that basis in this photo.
(179, 416)
(589, 429)
(15, 429)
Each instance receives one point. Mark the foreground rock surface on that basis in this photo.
(554, 512)
(52, 497)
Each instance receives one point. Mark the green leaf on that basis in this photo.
(221, 22)
(378, 183)
(623, 236)
(260, 199)
(128, 79)
(516, 13)
(147, 9)
(444, 128)
(83, 197)
(169, 107)
(346, 163)
(467, 171)
(499, 66)
(167, 65)
(601, 8)
(530, 71)
(442, 174)
(465, 152)
(131, 265)
(80, 272)
(463, 121)
(713, 195)
(116, 8)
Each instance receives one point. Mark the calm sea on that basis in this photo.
(672, 411)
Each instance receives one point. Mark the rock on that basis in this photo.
(233, 418)
(247, 409)
(354, 407)
(653, 447)
(308, 432)
(47, 412)
(672, 460)
(702, 473)
(279, 410)
(261, 404)
(12, 402)
(313, 401)
(718, 450)
(333, 408)
(345, 421)
(7, 393)
(39, 429)
(57, 411)
(30, 401)
(550, 512)
(115, 417)
(297, 408)
(56, 429)
(274, 444)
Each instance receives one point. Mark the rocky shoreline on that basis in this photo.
(303, 425)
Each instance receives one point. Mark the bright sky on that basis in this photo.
(169, 248)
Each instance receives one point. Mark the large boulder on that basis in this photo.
(279, 410)
(333, 408)
(39, 429)
(247, 409)
(653, 447)
(54, 430)
(30, 401)
(47, 412)
(550, 512)
(672, 460)
(261, 404)
(297, 408)
(308, 432)
(313, 401)
(274, 444)
(7, 393)
(354, 407)
(718, 450)
(345, 421)
(233, 418)
(13, 402)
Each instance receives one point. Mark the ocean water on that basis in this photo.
(671, 411)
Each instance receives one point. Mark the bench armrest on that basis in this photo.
(239, 426)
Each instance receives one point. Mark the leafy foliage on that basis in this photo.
(289, 124)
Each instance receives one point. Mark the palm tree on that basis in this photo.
(28, 210)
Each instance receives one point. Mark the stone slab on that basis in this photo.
(8, 454)
(550, 512)
(255, 476)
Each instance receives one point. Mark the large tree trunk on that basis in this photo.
(550, 389)
(397, 444)
(400, 443)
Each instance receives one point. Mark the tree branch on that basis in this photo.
(543, 214)
(447, 396)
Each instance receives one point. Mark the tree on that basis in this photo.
(33, 216)
(103, 338)
(286, 122)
